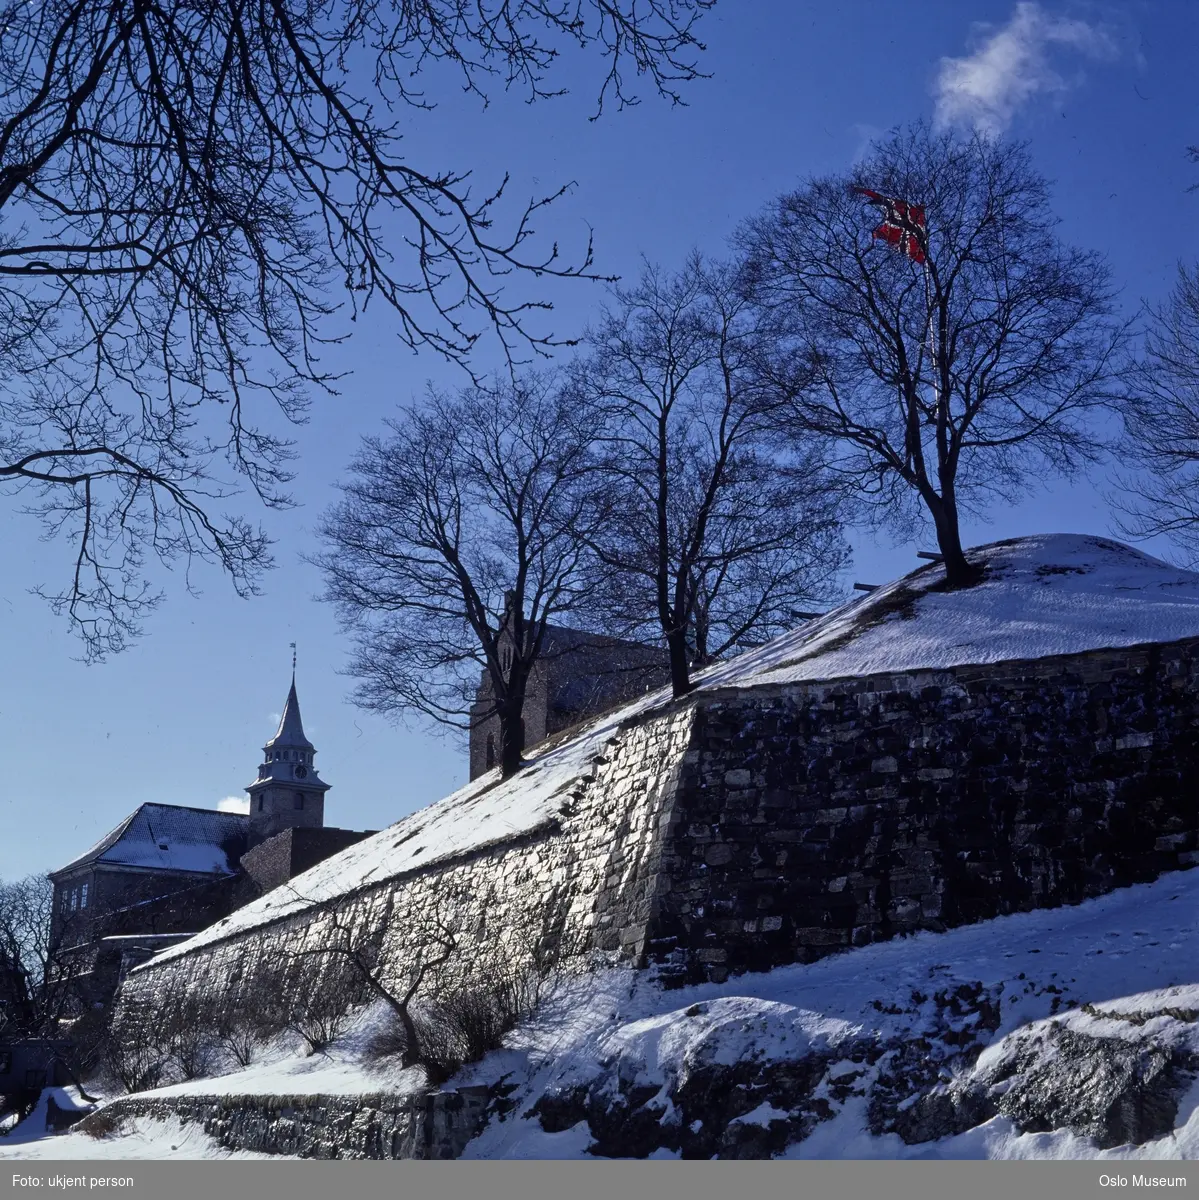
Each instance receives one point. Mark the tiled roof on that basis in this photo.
(169, 837)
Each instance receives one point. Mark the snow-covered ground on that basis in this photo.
(1048, 594)
(1041, 596)
(883, 1026)
(1135, 951)
(139, 1138)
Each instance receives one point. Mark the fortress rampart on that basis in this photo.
(745, 828)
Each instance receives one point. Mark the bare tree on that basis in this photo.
(190, 191)
(136, 1052)
(24, 931)
(456, 543)
(1161, 418)
(956, 353)
(42, 986)
(241, 1028)
(715, 536)
(318, 984)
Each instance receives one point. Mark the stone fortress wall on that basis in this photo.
(746, 828)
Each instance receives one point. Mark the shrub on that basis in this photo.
(100, 1124)
(135, 1060)
(187, 1029)
(465, 1021)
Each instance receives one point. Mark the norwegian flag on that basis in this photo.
(903, 223)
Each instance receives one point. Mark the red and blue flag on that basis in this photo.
(903, 223)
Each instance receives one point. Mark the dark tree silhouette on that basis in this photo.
(40, 986)
(949, 382)
(188, 192)
(1161, 419)
(716, 536)
(457, 542)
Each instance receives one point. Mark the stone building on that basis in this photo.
(577, 676)
(168, 871)
(915, 760)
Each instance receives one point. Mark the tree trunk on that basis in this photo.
(959, 572)
(680, 674)
(699, 628)
(512, 739)
(413, 1051)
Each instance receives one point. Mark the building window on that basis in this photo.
(261, 800)
(35, 1078)
(490, 751)
(74, 899)
(299, 800)
(83, 896)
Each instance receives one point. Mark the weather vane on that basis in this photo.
(293, 657)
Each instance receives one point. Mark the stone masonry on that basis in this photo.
(743, 829)
(810, 820)
(430, 1125)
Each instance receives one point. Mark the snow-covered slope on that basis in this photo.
(1049, 1034)
(1044, 595)
(1029, 1036)
(1049, 594)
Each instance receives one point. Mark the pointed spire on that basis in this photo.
(291, 728)
(287, 790)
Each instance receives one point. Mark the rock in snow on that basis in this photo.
(1065, 1033)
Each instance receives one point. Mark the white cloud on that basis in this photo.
(1011, 65)
(234, 804)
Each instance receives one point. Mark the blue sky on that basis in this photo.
(1105, 95)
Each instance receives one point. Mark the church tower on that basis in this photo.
(287, 794)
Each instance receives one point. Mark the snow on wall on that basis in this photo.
(588, 864)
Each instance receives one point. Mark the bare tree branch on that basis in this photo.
(190, 193)
(457, 542)
(716, 536)
(1161, 420)
(945, 383)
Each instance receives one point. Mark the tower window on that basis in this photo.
(299, 800)
(490, 751)
(261, 799)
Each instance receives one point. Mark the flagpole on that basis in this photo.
(905, 226)
(932, 337)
